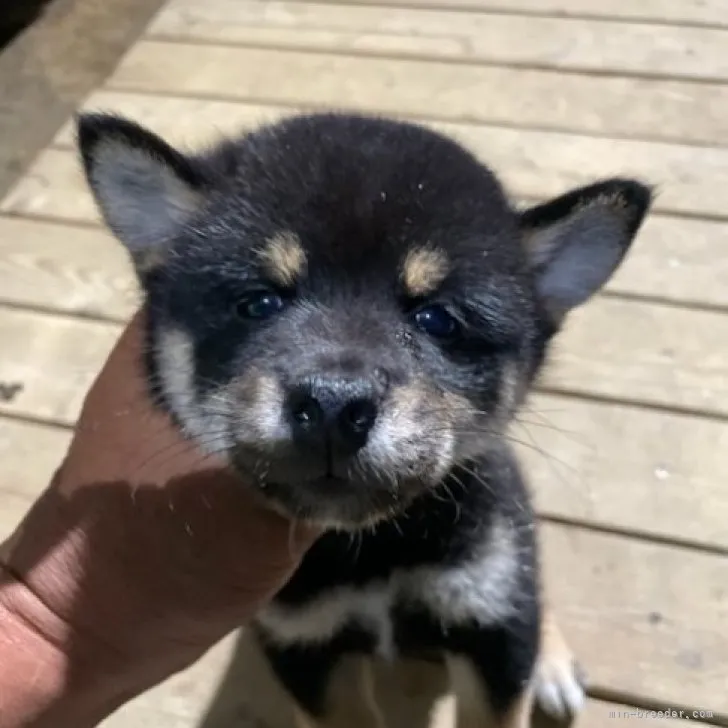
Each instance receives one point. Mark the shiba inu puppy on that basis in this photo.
(351, 311)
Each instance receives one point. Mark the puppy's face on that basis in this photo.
(346, 307)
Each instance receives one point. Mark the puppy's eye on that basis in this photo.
(259, 305)
(436, 321)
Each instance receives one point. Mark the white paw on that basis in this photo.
(560, 687)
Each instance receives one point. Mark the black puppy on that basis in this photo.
(351, 311)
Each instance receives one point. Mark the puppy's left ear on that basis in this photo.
(575, 242)
(145, 189)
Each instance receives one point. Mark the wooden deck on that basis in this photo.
(627, 438)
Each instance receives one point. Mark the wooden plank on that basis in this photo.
(134, 716)
(532, 163)
(54, 187)
(679, 260)
(67, 268)
(186, 122)
(667, 110)
(658, 355)
(55, 359)
(612, 465)
(697, 12)
(647, 619)
(187, 694)
(566, 43)
(29, 455)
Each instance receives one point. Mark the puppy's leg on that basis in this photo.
(472, 704)
(330, 689)
(474, 708)
(506, 699)
(520, 713)
(407, 691)
(492, 671)
(559, 681)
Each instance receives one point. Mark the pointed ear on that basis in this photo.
(576, 241)
(146, 190)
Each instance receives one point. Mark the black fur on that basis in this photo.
(439, 529)
(359, 193)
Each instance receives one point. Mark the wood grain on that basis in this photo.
(532, 163)
(29, 455)
(55, 187)
(698, 12)
(65, 268)
(573, 44)
(649, 353)
(624, 467)
(54, 358)
(649, 619)
(667, 110)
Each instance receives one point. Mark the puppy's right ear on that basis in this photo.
(146, 190)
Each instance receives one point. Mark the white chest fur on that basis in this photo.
(480, 588)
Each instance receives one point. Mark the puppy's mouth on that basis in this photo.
(306, 471)
(333, 495)
(329, 482)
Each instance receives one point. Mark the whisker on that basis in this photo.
(478, 477)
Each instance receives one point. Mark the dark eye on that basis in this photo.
(436, 321)
(260, 305)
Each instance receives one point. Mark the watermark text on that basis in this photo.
(657, 714)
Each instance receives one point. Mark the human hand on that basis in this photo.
(143, 551)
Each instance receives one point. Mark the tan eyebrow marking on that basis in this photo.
(424, 270)
(283, 258)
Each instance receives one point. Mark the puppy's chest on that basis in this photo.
(385, 612)
(370, 611)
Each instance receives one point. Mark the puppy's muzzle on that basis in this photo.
(334, 414)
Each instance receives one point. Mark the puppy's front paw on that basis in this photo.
(560, 687)
(559, 681)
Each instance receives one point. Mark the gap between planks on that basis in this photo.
(568, 44)
(686, 13)
(667, 110)
(689, 180)
(424, 116)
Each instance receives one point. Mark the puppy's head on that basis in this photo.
(346, 307)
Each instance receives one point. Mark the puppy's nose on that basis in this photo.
(338, 410)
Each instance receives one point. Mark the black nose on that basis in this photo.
(337, 410)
